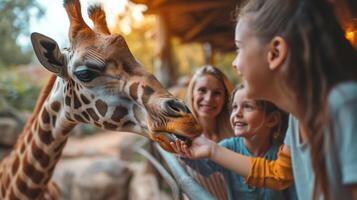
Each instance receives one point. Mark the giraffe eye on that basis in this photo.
(85, 75)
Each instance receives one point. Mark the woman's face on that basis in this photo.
(208, 96)
(247, 119)
(251, 61)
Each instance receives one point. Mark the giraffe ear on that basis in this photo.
(48, 53)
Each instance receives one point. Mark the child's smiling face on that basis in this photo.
(247, 119)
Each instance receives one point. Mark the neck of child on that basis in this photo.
(258, 144)
(285, 99)
(209, 128)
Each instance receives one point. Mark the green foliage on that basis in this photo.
(140, 41)
(20, 94)
(14, 21)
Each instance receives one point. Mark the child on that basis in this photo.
(259, 127)
(294, 54)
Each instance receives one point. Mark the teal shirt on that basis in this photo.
(341, 146)
(237, 187)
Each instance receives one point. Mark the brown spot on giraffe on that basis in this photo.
(85, 115)
(45, 136)
(97, 124)
(93, 114)
(68, 117)
(15, 165)
(31, 193)
(79, 118)
(56, 106)
(35, 175)
(54, 118)
(3, 191)
(12, 195)
(45, 116)
(119, 113)
(128, 123)
(134, 91)
(109, 126)
(76, 101)
(84, 99)
(67, 100)
(23, 147)
(101, 107)
(41, 156)
(7, 180)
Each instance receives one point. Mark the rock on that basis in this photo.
(144, 185)
(103, 179)
(93, 178)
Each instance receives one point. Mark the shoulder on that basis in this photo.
(342, 95)
(291, 131)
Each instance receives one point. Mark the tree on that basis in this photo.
(14, 21)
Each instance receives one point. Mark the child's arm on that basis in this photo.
(258, 171)
(276, 174)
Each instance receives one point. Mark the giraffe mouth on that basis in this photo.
(164, 139)
(173, 137)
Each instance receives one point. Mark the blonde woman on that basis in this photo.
(207, 96)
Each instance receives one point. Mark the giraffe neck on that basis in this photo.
(26, 172)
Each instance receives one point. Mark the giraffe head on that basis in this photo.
(101, 83)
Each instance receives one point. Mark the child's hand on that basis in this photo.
(200, 148)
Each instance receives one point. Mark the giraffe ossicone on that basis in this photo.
(96, 81)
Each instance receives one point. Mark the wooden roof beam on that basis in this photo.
(188, 6)
(208, 37)
(202, 25)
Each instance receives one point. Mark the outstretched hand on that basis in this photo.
(200, 148)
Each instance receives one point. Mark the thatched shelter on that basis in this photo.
(210, 22)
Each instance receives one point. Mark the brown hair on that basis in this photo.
(319, 58)
(224, 127)
(279, 130)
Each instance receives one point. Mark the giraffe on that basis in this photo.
(96, 81)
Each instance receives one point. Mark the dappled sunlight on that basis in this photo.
(351, 32)
(130, 18)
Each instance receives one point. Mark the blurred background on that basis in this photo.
(171, 38)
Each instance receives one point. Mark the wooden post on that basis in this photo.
(208, 53)
(164, 68)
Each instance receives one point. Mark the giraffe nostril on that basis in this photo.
(175, 108)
